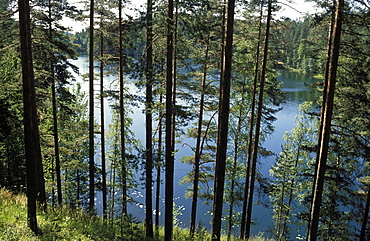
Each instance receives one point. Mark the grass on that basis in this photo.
(64, 223)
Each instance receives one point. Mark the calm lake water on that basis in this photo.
(295, 85)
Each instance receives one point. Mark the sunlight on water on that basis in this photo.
(296, 86)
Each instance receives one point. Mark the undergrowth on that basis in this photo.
(65, 223)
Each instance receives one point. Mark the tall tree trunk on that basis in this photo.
(233, 171)
(56, 142)
(222, 48)
(55, 115)
(148, 107)
(174, 76)
(325, 85)
(159, 163)
(251, 128)
(31, 133)
(322, 151)
(325, 81)
(258, 123)
(91, 106)
(197, 146)
(102, 125)
(223, 127)
(122, 113)
(169, 111)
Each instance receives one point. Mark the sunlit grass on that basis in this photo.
(65, 223)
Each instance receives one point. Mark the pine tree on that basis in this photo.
(258, 121)
(31, 132)
(149, 107)
(169, 155)
(322, 151)
(91, 111)
(122, 109)
(251, 126)
(291, 172)
(223, 126)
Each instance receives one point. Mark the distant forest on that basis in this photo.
(209, 72)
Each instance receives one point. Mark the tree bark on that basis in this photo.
(197, 147)
(326, 123)
(31, 133)
(258, 122)
(102, 125)
(235, 162)
(56, 143)
(122, 113)
(159, 163)
(91, 116)
(169, 155)
(251, 128)
(325, 81)
(223, 126)
(148, 107)
(55, 115)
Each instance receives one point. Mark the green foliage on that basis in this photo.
(292, 173)
(52, 52)
(65, 223)
(12, 171)
(62, 223)
(300, 45)
(341, 206)
(133, 154)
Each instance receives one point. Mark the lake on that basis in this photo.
(295, 85)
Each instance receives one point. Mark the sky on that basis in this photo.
(296, 10)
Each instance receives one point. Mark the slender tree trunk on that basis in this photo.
(55, 115)
(280, 225)
(149, 106)
(197, 146)
(284, 216)
(169, 111)
(223, 127)
(102, 125)
(232, 187)
(31, 134)
(91, 116)
(174, 77)
(222, 61)
(159, 163)
(251, 128)
(325, 81)
(258, 123)
(122, 113)
(325, 85)
(326, 123)
(112, 192)
(56, 143)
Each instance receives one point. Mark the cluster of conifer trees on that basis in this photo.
(206, 75)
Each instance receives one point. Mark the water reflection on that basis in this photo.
(297, 85)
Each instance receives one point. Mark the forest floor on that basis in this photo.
(64, 223)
